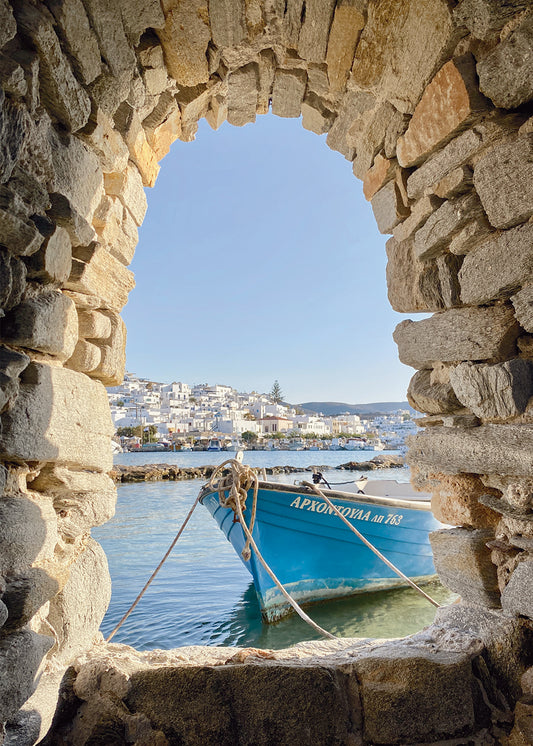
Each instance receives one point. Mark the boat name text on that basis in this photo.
(358, 514)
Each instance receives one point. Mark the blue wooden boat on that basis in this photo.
(315, 555)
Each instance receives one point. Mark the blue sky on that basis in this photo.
(259, 259)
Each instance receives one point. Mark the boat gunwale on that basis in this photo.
(357, 497)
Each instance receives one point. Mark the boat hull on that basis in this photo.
(314, 554)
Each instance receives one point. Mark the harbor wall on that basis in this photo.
(430, 103)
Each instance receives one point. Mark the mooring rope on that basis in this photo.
(374, 549)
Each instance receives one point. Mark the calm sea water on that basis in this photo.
(204, 595)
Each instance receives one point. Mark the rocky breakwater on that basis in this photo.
(159, 472)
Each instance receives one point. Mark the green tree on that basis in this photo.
(249, 416)
(120, 403)
(249, 437)
(276, 394)
(129, 432)
(149, 434)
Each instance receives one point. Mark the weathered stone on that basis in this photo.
(8, 25)
(106, 142)
(488, 449)
(52, 263)
(316, 117)
(77, 611)
(421, 34)
(494, 391)
(106, 20)
(457, 182)
(78, 175)
(14, 129)
(522, 732)
(456, 153)
(19, 236)
(94, 325)
(60, 91)
(458, 334)
(463, 563)
(487, 274)
(353, 105)
(47, 322)
(102, 276)
(28, 531)
(108, 91)
(523, 305)
(243, 87)
(59, 416)
(420, 212)
(129, 125)
(113, 360)
(85, 358)
(382, 170)
(184, 39)
(412, 285)
(3, 614)
(388, 207)
(503, 179)
(288, 92)
(455, 499)
(12, 280)
(129, 188)
(12, 77)
(469, 237)
(400, 694)
(26, 593)
(155, 81)
(432, 398)
(80, 231)
(79, 39)
(216, 114)
(227, 21)
(367, 134)
(435, 235)
(82, 499)
(517, 597)
(314, 32)
(448, 104)
(140, 15)
(448, 267)
(12, 363)
(486, 18)
(20, 657)
(348, 22)
(506, 74)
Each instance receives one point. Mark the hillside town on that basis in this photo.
(177, 416)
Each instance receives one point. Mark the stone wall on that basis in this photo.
(430, 101)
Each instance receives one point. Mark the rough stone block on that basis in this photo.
(77, 175)
(162, 137)
(243, 86)
(288, 92)
(506, 73)
(107, 143)
(61, 93)
(184, 39)
(20, 657)
(28, 531)
(314, 32)
(435, 235)
(140, 15)
(462, 560)
(12, 280)
(52, 263)
(82, 499)
(116, 229)
(503, 179)
(448, 104)
(78, 37)
(14, 132)
(130, 126)
(458, 334)
(517, 597)
(523, 305)
(316, 117)
(128, 186)
(494, 391)
(348, 22)
(77, 611)
(376, 176)
(421, 34)
(102, 276)
(227, 20)
(106, 20)
(367, 134)
(455, 499)
(354, 104)
(420, 212)
(487, 449)
(8, 25)
(12, 77)
(19, 236)
(448, 267)
(59, 416)
(412, 285)
(85, 358)
(80, 231)
(487, 274)
(388, 207)
(12, 363)
(431, 398)
(471, 236)
(25, 594)
(457, 182)
(113, 361)
(94, 325)
(486, 18)
(47, 323)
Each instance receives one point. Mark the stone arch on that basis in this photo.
(430, 101)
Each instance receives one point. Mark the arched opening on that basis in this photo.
(431, 105)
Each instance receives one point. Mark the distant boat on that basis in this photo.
(214, 445)
(314, 554)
